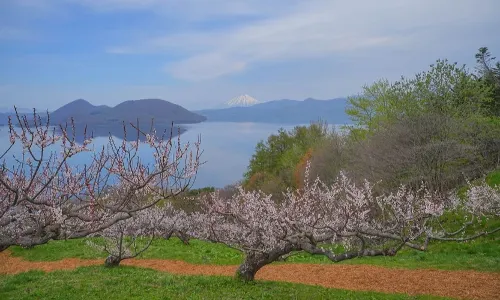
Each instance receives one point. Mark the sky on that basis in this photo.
(201, 53)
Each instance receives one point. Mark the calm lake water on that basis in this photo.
(227, 148)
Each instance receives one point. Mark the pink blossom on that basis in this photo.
(45, 198)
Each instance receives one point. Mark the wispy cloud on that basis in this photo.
(111, 50)
(188, 10)
(305, 29)
(206, 66)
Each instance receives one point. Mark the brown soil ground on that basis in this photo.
(456, 284)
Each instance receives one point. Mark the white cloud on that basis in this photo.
(306, 29)
(206, 66)
(325, 48)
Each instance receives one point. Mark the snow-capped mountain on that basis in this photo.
(242, 100)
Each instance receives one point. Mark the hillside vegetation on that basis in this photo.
(440, 128)
(412, 183)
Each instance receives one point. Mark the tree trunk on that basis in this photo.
(179, 234)
(183, 237)
(112, 261)
(254, 261)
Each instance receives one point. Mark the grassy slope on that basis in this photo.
(481, 254)
(136, 283)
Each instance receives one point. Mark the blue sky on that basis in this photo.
(201, 53)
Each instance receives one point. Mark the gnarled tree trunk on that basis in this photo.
(112, 261)
(254, 261)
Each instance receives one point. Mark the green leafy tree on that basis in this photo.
(377, 102)
(445, 89)
(439, 126)
(489, 73)
(275, 160)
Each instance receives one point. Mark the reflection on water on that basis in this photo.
(227, 148)
(119, 131)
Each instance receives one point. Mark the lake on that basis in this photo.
(227, 148)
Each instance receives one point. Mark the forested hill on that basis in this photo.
(163, 112)
(102, 120)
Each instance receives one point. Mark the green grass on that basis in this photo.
(493, 178)
(481, 254)
(197, 252)
(57, 250)
(137, 283)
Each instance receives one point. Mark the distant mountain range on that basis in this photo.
(102, 120)
(163, 112)
(283, 112)
(5, 112)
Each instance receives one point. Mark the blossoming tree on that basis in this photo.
(365, 224)
(43, 196)
(133, 236)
